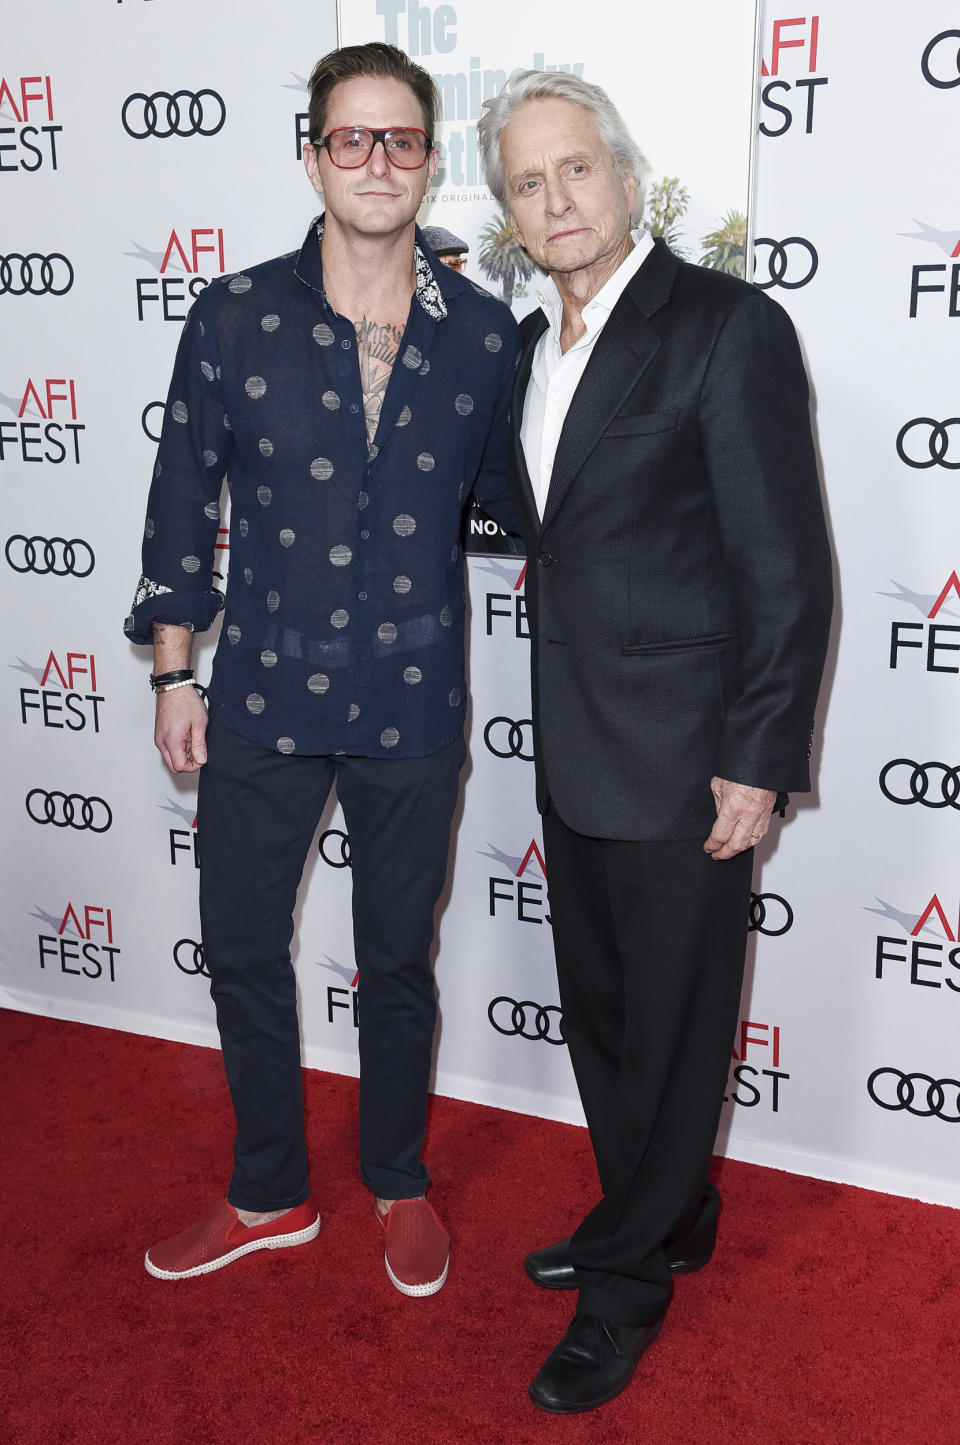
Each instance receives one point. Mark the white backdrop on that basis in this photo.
(99, 916)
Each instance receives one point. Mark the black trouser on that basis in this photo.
(257, 814)
(650, 941)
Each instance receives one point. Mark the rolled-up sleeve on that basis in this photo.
(183, 509)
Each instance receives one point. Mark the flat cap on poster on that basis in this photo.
(443, 242)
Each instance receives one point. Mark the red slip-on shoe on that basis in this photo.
(416, 1247)
(222, 1237)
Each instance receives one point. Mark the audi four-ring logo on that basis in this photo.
(794, 255)
(335, 848)
(69, 810)
(769, 914)
(507, 739)
(35, 275)
(938, 1098)
(188, 956)
(162, 115)
(146, 416)
(528, 1019)
(936, 434)
(54, 555)
(952, 50)
(916, 779)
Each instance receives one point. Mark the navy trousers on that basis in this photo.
(650, 941)
(257, 813)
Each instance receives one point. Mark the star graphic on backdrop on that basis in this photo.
(907, 921)
(946, 240)
(922, 601)
(507, 861)
(505, 571)
(155, 258)
(20, 666)
(12, 403)
(52, 922)
(349, 975)
(187, 814)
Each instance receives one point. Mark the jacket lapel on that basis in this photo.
(624, 349)
(531, 333)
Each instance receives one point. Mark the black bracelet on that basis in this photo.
(164, 679)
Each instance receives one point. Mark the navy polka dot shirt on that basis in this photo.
(344, 613)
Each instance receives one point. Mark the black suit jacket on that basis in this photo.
(679, 585)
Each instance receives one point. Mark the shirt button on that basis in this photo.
(364, 534)
(345, 345)
(354, 408)
(362, 596)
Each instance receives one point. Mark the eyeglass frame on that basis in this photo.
(377, 136)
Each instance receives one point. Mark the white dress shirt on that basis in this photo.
(556, 375)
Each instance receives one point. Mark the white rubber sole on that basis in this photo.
(275, 1241)
(417, 1290)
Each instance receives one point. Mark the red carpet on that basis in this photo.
(829, 1314)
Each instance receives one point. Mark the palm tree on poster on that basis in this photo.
(666, 205)
(725, 249)
(502, 257)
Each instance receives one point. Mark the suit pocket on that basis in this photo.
(643, 424)
(709, 642)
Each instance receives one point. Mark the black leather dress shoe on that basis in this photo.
(552, 1268)
(593, 1362)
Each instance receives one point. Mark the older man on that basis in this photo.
(679, 599)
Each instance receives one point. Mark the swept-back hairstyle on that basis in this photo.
(526, 85)
(376, 59)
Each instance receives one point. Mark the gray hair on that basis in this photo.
(526, 85)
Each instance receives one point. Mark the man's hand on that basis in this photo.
(180, 731)
(743, 816)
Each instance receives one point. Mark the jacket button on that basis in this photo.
(545, 559)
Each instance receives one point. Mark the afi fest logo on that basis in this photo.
(30, 142)
(178, 266)
(506, 612)
(342, 996)
(55, 435)
(937, 642)
(524, 889)
(793, 48)
(935, 278)
(182, 840)
(906, 957)
(940, 61)
(66, 694)
(752, 1082)
(81, 942)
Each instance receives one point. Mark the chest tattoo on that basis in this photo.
(377, 348)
